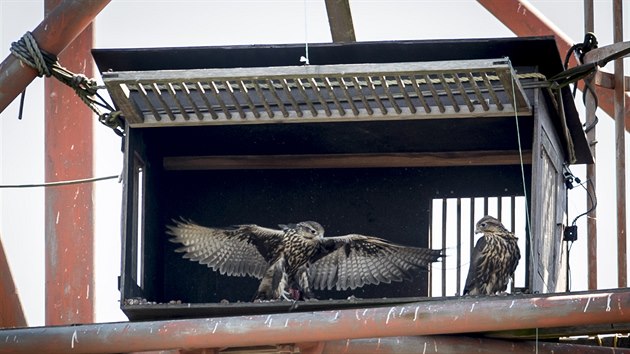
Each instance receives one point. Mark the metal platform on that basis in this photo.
(525, 316)
(318, 93)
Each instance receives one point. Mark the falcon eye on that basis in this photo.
(313, 231)
(483, 224)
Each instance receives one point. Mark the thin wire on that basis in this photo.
(591, 197)
(306, 58)
(520, 153)
(60, 183)
(536, 340)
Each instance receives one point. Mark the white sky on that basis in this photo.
(135, 23)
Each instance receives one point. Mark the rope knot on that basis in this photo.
(46, 64)
(83, 83)
(27, 50)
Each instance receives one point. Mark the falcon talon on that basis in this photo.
(297, 258)
(285, 296)
(293, 306)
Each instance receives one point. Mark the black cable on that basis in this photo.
(572, 75)
(589, 88)
(568, 56)
(60, 183)
(21, 110)
(591, 197)
(569, 179)
(580, 49)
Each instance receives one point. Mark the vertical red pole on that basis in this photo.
(68, 209)
(620, 129)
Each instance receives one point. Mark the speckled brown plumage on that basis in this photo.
(493, 260)
(298, 258)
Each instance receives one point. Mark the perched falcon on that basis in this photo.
(296, 259)
(493, 260)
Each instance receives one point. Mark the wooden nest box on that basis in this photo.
(364, 140)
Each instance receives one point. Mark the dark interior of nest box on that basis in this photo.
(389, 202)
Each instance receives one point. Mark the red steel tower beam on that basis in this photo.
(454, 345)
(449, 316)
(525, 20)
(56, 31)
(68, 209)
(11, 314)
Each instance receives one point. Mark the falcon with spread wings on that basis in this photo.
(297, 258)
(494, 258)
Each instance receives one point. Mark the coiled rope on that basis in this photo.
(46, 64)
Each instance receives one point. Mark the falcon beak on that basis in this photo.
(478, 230)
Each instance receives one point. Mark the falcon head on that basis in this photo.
(307, 229)
(488, 224)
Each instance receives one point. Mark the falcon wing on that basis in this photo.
(516, 256)
(237, 251)
(351, 261)
(474, 279)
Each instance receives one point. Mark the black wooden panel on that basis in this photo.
(522, 51)
(390, 203)
(434, 135)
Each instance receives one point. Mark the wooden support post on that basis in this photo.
(591, 175)
(620, 129)
(68, 209)
(340, 20)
